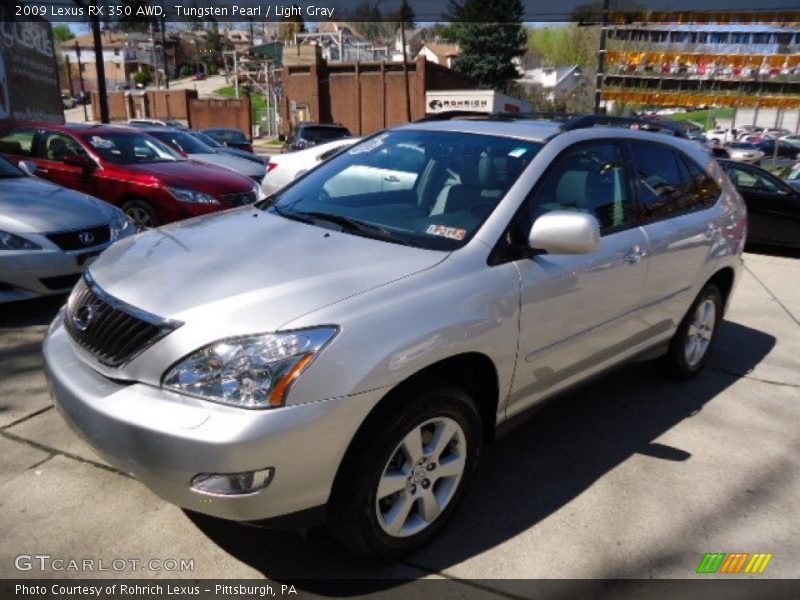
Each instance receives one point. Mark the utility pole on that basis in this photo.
(235, 74)
(80, 76)
(164, 51)
(153, 55)
(601, 59)
(102, 92)
(405, 67)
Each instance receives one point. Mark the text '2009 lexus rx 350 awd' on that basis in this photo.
(340, 351)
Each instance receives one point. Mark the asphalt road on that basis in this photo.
(630, 476)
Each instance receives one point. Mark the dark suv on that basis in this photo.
(311, 134)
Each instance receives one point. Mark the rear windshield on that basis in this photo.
(323, 134)
(414, 187)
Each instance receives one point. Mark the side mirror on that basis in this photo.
(565, 232)
(76, 160)
(28, 166)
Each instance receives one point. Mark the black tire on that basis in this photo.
(354, 510)
(141, 214)
(676, 364)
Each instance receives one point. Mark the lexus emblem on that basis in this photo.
(84, 317)
(86, 237)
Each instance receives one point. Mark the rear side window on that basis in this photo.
(662, 180)
(706, 189)
(18, 142)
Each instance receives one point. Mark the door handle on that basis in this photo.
(634, 255)
(391, 178)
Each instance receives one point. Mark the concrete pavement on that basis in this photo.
(630, 476)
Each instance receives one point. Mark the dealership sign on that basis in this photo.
(29, 88)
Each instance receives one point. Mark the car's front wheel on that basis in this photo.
(141, 214)
(406, 472)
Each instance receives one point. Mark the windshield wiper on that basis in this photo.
(350, 224)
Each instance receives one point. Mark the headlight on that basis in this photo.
(191, 196)
(251, 371)
(9, 241)
(120, 225)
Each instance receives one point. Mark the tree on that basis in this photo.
(292, 25)
(62, 33)
(566, 45)
(490, 35)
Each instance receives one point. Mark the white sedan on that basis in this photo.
(284, 168)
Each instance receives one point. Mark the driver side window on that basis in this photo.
(751, 181)
(590, 178)
(55, 146)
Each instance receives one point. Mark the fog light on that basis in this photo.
(232, 484)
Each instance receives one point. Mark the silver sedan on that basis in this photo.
(49, 234)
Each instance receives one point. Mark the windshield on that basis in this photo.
(323, 134)
(206, 139)
(182, 141)
(422, 188)
(130, 147)
(9, 169)
(228, 135)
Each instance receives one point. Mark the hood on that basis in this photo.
(196, 175)
(33, 205)
(245, 167)
(247, 270)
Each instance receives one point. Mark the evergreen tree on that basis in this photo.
(490, 35)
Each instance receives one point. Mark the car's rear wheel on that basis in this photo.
(406, 472)
(141, 214)
(690, 347)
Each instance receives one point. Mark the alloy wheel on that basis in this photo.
(700, 332)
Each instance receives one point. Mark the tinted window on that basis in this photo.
(228, 135)
(323, 134)
(659, 183)
(589, 178)
(750, 180)
(18, 142)
(706, 188)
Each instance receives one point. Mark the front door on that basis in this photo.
(53, 147)
(579, 312)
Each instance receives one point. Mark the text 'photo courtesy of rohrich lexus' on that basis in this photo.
(196, 374)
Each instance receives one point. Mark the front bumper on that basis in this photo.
(34, 273)
(164, 439)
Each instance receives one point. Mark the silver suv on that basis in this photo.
(342, 350)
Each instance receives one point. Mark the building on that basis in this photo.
(339, 43)
(554, 83)
(440, 53)
(745, 65)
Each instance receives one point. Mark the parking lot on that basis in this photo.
(628, 477)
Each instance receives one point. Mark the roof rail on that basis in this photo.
(585, 121)
(467, 114)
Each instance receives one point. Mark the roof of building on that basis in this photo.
(442, 51)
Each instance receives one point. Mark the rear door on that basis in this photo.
(579, 313)
(679, 211)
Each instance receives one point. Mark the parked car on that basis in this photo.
(311, 134)
(773, 133)
(148, 123)
(791, 138)
(49, 234)
(773, 206)
(230, 137)
(345, 358)
(152, 183)
(190, 147)
(283, 168)
(212, 143)
(744, 152)
(780, 149)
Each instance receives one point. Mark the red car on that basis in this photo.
(150, 182)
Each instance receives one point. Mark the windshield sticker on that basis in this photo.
(99, 142)
(370, 145)
(453, 233)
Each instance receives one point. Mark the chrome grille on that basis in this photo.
(79, 239)
(113, 332)
(240, 199)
